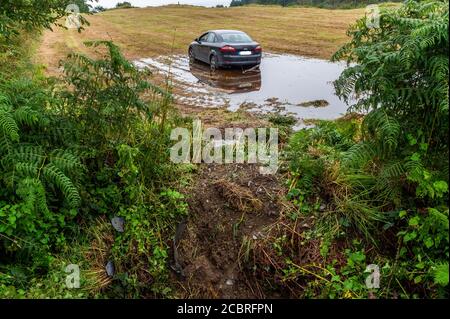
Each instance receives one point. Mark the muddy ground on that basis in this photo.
(227, 203)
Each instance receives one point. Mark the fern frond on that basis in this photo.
(32, 193)
(359, 154)
(66, 161)
(8, 125)
(389, 182)
(26, 115)
(391, 171)
(27, 169)
(385, 129)
(54, 175)
(28, 153)
(23, 154)
(6, 145)
(441, 274)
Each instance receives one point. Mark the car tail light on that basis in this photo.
(258, 48)
(227, 49)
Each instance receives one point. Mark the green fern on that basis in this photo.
(66, 161)
(383, 129)
(8, 126)
(6, 145)
(25, 166)
(440, 274)
(359, 154)
(54, 175)
(32, 192)
(27, 169)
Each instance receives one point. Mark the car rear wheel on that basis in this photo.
(213, 63)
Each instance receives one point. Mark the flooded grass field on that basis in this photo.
(283, 84)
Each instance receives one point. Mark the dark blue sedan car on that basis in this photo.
(225, 48)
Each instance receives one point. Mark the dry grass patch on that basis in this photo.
(153, 31)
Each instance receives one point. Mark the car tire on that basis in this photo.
(213, 64)
(192, 58)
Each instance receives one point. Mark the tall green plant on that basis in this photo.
(107, 95)
(37, 170)
(400, 76)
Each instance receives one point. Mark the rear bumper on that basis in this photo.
(240, 60)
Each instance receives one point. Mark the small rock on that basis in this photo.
(322, 207)
(118, 223)
(110, 268)
(254, 237)
(229, 282)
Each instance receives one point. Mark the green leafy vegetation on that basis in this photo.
(124, 5)
(73, 154)
(380, 179)
(368, 189)
(19, 15)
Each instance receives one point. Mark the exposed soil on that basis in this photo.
(227, 202)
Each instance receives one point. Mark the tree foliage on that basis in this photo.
(313, 3)
(17, 15)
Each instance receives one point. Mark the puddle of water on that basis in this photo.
(282, 83)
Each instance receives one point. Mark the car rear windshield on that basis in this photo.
(235, 37)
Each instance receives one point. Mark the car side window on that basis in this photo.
(204, 37)
(211, 37)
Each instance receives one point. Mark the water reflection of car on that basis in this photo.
(231, 80)
(225, 48)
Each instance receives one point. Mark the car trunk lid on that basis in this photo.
(242, 48)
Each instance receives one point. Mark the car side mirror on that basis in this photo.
(197, 40)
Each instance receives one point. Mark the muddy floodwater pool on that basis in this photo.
(284, 84)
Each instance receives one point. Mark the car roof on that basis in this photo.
(226, 31)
